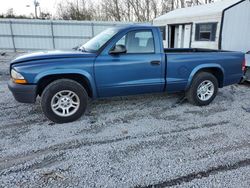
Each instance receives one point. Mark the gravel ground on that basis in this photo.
(150, 140)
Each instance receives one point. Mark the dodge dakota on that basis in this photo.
(126, 60)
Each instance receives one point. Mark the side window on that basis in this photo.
(205, 32)
(138, 42)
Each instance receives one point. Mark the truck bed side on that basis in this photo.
(182, 66)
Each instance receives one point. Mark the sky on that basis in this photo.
(20, 6)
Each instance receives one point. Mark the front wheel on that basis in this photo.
(203, 89)
(64, 101)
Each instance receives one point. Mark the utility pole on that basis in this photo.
(36, 4)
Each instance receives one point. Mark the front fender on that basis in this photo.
(68, 71)
(199, 68)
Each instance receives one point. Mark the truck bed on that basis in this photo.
(181, 63)
(190, 50)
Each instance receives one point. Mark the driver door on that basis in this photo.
(137, 71)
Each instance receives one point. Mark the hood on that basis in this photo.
(51, 55)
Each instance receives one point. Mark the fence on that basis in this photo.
(31, 35)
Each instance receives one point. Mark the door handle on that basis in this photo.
(155, 62)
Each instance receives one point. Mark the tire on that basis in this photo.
(64, 101)
(199, 95)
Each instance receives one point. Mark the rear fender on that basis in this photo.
(200, 68)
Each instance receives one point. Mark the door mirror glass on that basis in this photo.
(118, 49)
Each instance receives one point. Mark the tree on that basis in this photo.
(112, 9)
(44, 15)
(75, 10)
(11, 14)
(121, 10)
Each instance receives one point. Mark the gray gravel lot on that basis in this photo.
(136, 141)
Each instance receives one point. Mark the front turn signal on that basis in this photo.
(19, 81)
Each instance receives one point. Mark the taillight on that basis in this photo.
(244, 65)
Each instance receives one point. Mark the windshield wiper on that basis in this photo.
(76, 47)
(80, 48)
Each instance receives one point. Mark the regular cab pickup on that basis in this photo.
(125, 60)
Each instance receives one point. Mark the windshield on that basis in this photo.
(94, 44)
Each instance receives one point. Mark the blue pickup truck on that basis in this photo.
(125, 60)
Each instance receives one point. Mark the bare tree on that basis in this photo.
(74, 10)
(121, 10)
(10, 13)
(45, 15)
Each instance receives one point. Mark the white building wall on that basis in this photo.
(186, 36)
(201, 19)
(211, 13)
(236, 28)
(207, 44)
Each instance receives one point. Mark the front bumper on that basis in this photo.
(23, 93)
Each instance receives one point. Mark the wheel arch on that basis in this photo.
(85, 80)
(214, 69)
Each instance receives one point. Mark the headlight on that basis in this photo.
(17, 77)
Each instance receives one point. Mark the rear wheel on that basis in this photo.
(64, 101)
(203, 89)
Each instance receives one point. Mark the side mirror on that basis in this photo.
(118, 49)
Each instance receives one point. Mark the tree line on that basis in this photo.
(11, 14)
(121, 10)
(112, 10)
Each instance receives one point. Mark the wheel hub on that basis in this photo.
(205, 90)
(65, 103)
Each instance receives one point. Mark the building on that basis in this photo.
(220, 25)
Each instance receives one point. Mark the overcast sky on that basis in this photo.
(26, 7)
(20, 6)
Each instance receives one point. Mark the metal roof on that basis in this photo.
(197, 11)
